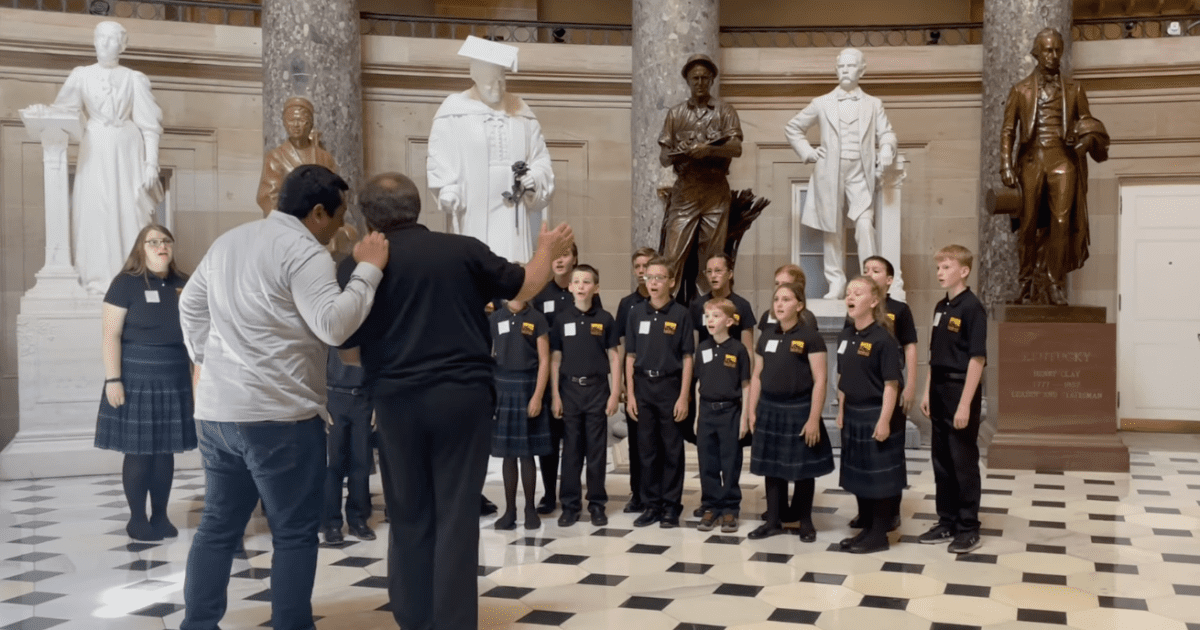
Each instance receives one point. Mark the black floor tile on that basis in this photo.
(902, 567)
(611, 533)
(485, 571)
(33, 524)
(33, 540)
(968, 590)
(34, 598)
(1125, 569)
(1048, 524)
(546, 617)
(823, 578)
(683, 625)
(739, 590)
(1044, 578)
(718, 539)
(1170, 557)
(356, 562)
(1034, 548)
(531, 541)
(374, 581)
(601, 579)
(33, 556)
(135, 547)
(1032, 615)
(1003, 493)
(1113, 518)
(791, 615)
(1126, 603)
(1154, 493)
(689, 567)
(508, 592)
(651, 549)
(34, 511)
(1000, 476)
(778, 558)
(253, 573)
(890, 603)
(1158, 510)
(35, 575)
(1162, 531)
(647, 603)
(987, 509)
(1103, 497)
(937, 625)
(982, 558)
(565, 558)
(1100, 482)
(1048, 486)
(1187, 589)
(142, 565)
(1111, 540)
(160, 610)
(34, 623)
(1050, 504)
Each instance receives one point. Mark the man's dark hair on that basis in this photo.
(887, 264)
(590, 269)
(389, 201)
(308, 186)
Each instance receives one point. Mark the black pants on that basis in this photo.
(635, 460)
(955, 456)
(349, 457)
(585, 435)
(434, 445)
(660, 443)
(720, 456)
(549, 463)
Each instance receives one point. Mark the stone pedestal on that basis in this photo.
(1009, 27)
(665, 34)
(1057, 390)
(314, 50)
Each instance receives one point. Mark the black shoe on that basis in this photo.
(698, 512)
(634, 507)
(163, 527)
(937, 534)
(856, 522)
(669, 520)
(867, 545)
(361, 530)
(568, 518)
(766, 530)
(333, 536)
(965, 542)
(547, 505)
(486, 507)
(808, 533)
(649, 517)
(506, 522)
(143, 531)
(707, 522)
(599, 519)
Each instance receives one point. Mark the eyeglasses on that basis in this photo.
(159, 242)
(654, 278)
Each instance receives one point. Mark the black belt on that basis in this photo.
(353, 391)
(657, 373)
(946, 375)
(718, 405)
(586, 381)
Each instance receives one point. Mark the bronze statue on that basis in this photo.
(700, 137)
(1048, 123)
(303, 146)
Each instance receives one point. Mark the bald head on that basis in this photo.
(389, 201)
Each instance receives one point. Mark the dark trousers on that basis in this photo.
(349, 457)
(283, 463)
(720, 456)
(660, 443)
(434, 445)
(955, 456)
(549, 463)
(585, 435)
(635, 460)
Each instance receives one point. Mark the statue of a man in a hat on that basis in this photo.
(303, 146)
(857, 143)
(700, 137)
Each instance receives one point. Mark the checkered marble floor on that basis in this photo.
(1080, 550)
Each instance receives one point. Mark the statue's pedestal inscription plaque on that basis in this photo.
(1057, 391)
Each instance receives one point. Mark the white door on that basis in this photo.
(1158, 324)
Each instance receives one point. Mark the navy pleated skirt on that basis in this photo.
(516, 434)
(157, 414)
(778, 450)
(871, 469)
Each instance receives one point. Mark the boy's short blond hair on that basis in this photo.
(958, 253)
(723, 304)
(659, 261)
(648, 252)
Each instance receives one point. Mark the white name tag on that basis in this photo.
(503, 328)
(152, 297)
(706, 355)
(772, 345)
(569, 329)
(644, 328)
(548, 307)
(842, 347)
(937, 318)
(771, 319)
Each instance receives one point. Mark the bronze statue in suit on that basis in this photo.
(1048, 132)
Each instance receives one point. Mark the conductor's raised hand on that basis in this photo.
(557, 241)
(372, 249)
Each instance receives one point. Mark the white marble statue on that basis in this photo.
(116, 177)
(857, 143)
(476, 138)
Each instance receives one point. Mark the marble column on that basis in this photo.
(665, 34)
(314, 50)
(1009, 27)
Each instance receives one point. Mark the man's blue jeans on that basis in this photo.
(283, 463)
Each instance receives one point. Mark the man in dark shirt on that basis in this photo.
(426, 350)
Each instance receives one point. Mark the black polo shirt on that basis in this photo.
(584, 339)
(552, 299)
(959, 332)
(768, 321)
(151, 307)
(867, 359)
(659, 337)
(786, 372)
(514, 338)
(427, 325)
(743, 319)
(721, 368)
(903, 327)
(626, 305)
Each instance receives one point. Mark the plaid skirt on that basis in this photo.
(157, 414)
(778, 450)
(871, 469)
(516, 434)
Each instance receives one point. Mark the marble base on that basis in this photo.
(61, 375)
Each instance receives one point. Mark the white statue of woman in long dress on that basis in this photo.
(476, 138)
(116, 178)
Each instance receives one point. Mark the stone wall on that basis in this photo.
(207, 80)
